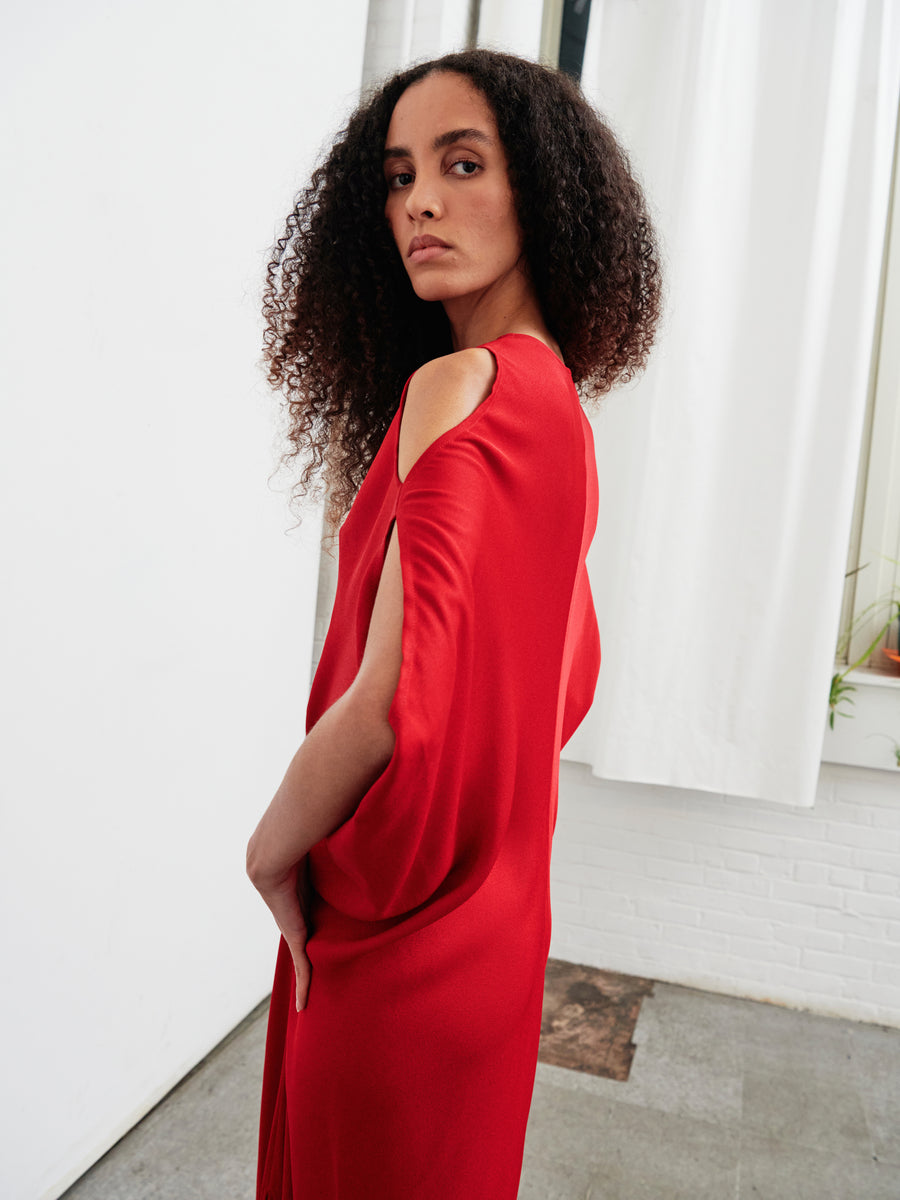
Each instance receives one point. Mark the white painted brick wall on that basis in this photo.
(796, 906)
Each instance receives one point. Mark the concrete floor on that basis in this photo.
(727, 1100)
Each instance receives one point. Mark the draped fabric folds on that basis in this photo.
(764, 133)
(410, 1071)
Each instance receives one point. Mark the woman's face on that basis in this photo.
(450, 205)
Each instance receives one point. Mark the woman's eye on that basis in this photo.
(401, 180)
(465, 166)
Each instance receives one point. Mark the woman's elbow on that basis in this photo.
(252, 864)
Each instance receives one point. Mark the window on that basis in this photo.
(873, 583)
(564, 34)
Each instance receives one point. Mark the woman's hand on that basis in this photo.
(287, 897)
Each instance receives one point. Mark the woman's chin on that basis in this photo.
(433, 290)
(438, 291)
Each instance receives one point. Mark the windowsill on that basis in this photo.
(866, 739)
(875, 678)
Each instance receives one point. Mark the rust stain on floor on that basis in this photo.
(589, 1017)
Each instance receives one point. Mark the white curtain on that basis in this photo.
(511, 25)
(401, 32)
(764, 132)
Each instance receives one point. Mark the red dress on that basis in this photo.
(409, 1074)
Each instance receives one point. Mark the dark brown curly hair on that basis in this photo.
(344, 328)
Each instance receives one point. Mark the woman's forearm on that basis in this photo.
(342, 756)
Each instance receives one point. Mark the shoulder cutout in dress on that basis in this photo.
(441, 394)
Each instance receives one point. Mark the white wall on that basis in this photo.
(157, 615)
(796, 906)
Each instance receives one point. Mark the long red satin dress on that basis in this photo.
(409, 1074)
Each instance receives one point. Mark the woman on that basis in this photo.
(476, 228)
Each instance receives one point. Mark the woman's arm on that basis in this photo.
(343, 754)
(352, 743)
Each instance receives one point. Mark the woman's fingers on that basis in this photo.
(289, 918)
(303, 973)
(302, 965)
(283, 898)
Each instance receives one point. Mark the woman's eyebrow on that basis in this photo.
(442, 140)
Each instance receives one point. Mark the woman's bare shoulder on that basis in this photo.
(442, 393)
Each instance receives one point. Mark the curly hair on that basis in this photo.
(344, 328)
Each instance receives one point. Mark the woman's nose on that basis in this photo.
(423, 198)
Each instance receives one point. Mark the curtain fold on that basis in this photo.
(764, 133)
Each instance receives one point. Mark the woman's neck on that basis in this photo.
(509, 305)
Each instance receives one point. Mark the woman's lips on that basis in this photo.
(427, 253)
(424, 249)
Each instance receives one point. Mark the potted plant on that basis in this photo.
(840, 689)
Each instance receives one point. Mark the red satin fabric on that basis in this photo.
(410, 1072)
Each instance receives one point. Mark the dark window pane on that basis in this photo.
(573, 36)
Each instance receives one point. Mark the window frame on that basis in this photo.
(873, 562)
